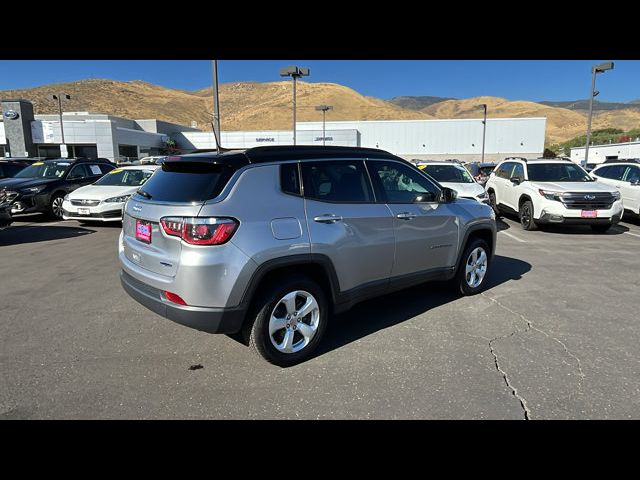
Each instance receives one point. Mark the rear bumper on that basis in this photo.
(211, 320)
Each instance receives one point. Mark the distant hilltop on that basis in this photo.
(267, 106)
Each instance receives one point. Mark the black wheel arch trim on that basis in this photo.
(477, 228)
(291, 261)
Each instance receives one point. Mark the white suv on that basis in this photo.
(553, 191)
(626, 178)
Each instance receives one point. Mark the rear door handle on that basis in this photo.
(406, 216)
(327, 218)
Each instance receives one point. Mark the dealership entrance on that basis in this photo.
(74, 151)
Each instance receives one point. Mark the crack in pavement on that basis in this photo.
(514, 391)
(530, 326)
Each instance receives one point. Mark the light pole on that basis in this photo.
(323, 109)
(216, 107)
(596, 69)
(294, 72)
(484, 128)
(63, 146)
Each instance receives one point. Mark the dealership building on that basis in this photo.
(97, 135)
(607, 151)
(91, 135)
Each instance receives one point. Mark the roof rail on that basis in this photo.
(516, 158)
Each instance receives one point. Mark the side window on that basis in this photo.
(105, 168)
(616, 172)
(602, 172)
(505, 170)
(518, 171)
(78, 171)
(343, 181)
(289, 178)
(399, 183)
(632, 175)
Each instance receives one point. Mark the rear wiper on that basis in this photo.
(144, 194)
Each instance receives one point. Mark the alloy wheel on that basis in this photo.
(56, 206)
(294, 321)
(476, 267)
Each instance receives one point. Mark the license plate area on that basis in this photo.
(589, 214)
(84, 211)
(143, 231)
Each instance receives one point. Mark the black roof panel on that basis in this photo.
(239, 158)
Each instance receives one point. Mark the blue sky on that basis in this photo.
(535, 80)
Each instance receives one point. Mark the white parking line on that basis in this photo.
(634, 234)
(512, 236)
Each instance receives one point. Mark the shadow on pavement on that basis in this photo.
(501, 225)
(16, 235)
(389, 310)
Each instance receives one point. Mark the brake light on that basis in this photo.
(200, 231)
(172, 297)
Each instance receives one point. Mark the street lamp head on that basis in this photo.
(603, 67)
(293, 71)
(324, 108)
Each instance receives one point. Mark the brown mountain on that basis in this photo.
(244, 106)
(267, 106)
(562, 124)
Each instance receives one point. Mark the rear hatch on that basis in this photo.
(178, 189)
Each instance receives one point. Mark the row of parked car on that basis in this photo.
(78, 188)
(547, 190)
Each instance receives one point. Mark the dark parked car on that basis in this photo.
(41, 187)
(5, 209)
(11, 166)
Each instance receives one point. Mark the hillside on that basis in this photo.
(583, 105)
(243, 106)
(562, 123)
(267, 106)
(417, 103)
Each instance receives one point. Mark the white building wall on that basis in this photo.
(599, 153)
(447, 137)
(461, 138)
(3, 138)
(206, 140)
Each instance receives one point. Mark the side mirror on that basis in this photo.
(636, 183)
(516, 180)
(448, 195)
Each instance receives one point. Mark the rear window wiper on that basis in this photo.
(144, 194)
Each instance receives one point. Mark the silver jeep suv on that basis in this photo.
(269, 242)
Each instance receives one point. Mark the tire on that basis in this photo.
(494, 203)
(272, 303)
(601, 228)
(526, 216)
(55, 206)
(464, 279)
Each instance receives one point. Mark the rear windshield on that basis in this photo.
(186, 182)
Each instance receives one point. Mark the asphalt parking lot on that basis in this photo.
(556, 336)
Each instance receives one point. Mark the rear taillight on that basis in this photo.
(200, 231)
